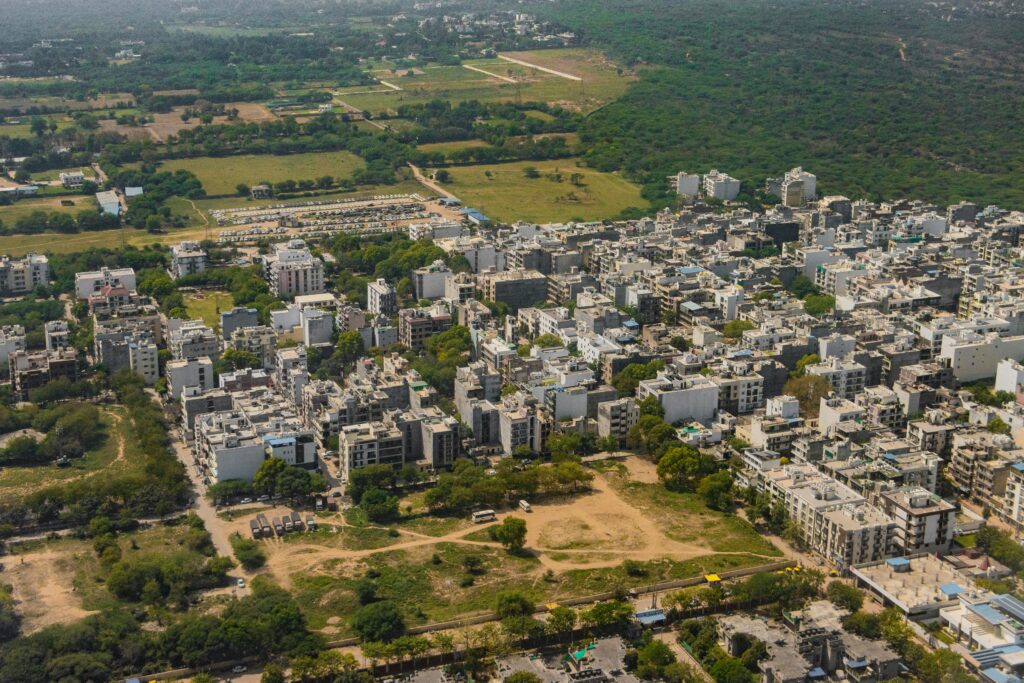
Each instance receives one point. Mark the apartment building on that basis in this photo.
(847, 377)
(514, 288)
(187, 258)
(188, 339)
(718, 185)
(21, 276)
(12, 338)
(381, 298)
(683, 397)
(89, 283)
(925, 523)
(193, 372)
(33, 369)
(291, 269)
(616, 418)
(429, 281)
(416, 325)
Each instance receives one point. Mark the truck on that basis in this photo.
(278, 527)
(311, 522)
(297, 521)
(254, 526)
(287, 521)
(268, 531)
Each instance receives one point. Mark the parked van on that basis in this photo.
(524, 506)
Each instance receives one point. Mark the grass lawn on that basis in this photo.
(18, 482)
(506, 194)
(208, 306)
(24, 207)
(220, 175)
(23, 129)
(601, 82)
(55, 173)
(446, 147)
(684, 517)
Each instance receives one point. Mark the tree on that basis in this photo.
(349, 347)
(845, 596)
(442, 176)
(803, 362)
(808, 390)
(511, 533)
(531, 172)
(363, 479)
(734, 329)
(378, 622)
(716, 490)
(272, 673)
(523, 677)
(513, 604)
(682, 467)
(607, 613)
(997, 426)
(379, 506)
(801, 286)
(561, 620)
(248, 552)
(819, 304)
(265, 479)
(626, 380)
(730, 670)
(650, 405)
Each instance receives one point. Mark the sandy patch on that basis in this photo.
(44, 590)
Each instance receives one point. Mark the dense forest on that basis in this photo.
(878, 99)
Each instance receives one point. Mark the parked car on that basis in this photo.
(245, 501)
(241, 584)
(239, 669)
(264, 498)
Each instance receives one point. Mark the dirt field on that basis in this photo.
(44, 589)
(595, 530)
(170, 123)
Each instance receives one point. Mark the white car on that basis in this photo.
(240, 583)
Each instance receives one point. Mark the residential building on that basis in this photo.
(381, 298)
(33, 369)
(291, 269)
(187, 259)
(91, 282)
(21, 276)
(187, 373)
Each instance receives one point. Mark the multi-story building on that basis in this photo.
(415, 325)
(57, 334)
(518, 426)
(381, 298)
(925, 523)
(846, 376)
(718, 185)
(21, 276)
(191, 373)
(683, 397)
(91, 282)
(291, 269)
(237, 318)
(12, 338)
(429, 281)
(514, 288)
(260, 340)
(187, 339)
(187, 259)
(616, 418)
(33, 369)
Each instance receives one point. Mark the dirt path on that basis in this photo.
(44, 590)
(427, 182)
(488, 73)
(540, 68)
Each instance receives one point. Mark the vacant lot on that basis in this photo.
(208, 306)
(447, 147)
(582, 541)
(54, 174)
(504, 192)
(498, 80)
(220, 175)
(24, 207)
(170, 123)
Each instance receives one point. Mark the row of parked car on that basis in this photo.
(262, 527)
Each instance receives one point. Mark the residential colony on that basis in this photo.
(927, 301)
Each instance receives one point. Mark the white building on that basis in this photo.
(195, 372)
(719, 185)
(381, 298)
(1009, 375)
(20, 276)
(684, 398)
(925, 523)
(809, 180)
(12, 338)
(616, 418)
(191, 339)
(93, 281)
(429, 281)
(72, 180)
(687, 184)
(187, 259)
(317, 327)
(57, 334)
(975, 356)
(144, 358)
(846, 376)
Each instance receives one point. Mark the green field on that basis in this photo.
(54, 174)
(503, 81)
(23, 129)
(446, 147)
(220, 175)
(17, 482)
(508, 195)
(25, 207)
(208, 306)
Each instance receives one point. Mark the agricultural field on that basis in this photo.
(23, 127)
(103, 101)
(208, 305)
(170, 123)
(575, 546)
(575, 78)
(504, 192)
(220, 175)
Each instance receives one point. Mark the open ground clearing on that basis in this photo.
(208, 305)
(583, 541)
(170, 123)
(54, 174)
(499, 80)
(503, 192)
(455, 146)
(221, 175)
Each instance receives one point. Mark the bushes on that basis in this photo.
(378, 622)
(248, 552)
(845, 596)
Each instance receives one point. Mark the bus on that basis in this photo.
(524, 506)
(482, 516)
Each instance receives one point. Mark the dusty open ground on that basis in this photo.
(44, 589)
(594, 530)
